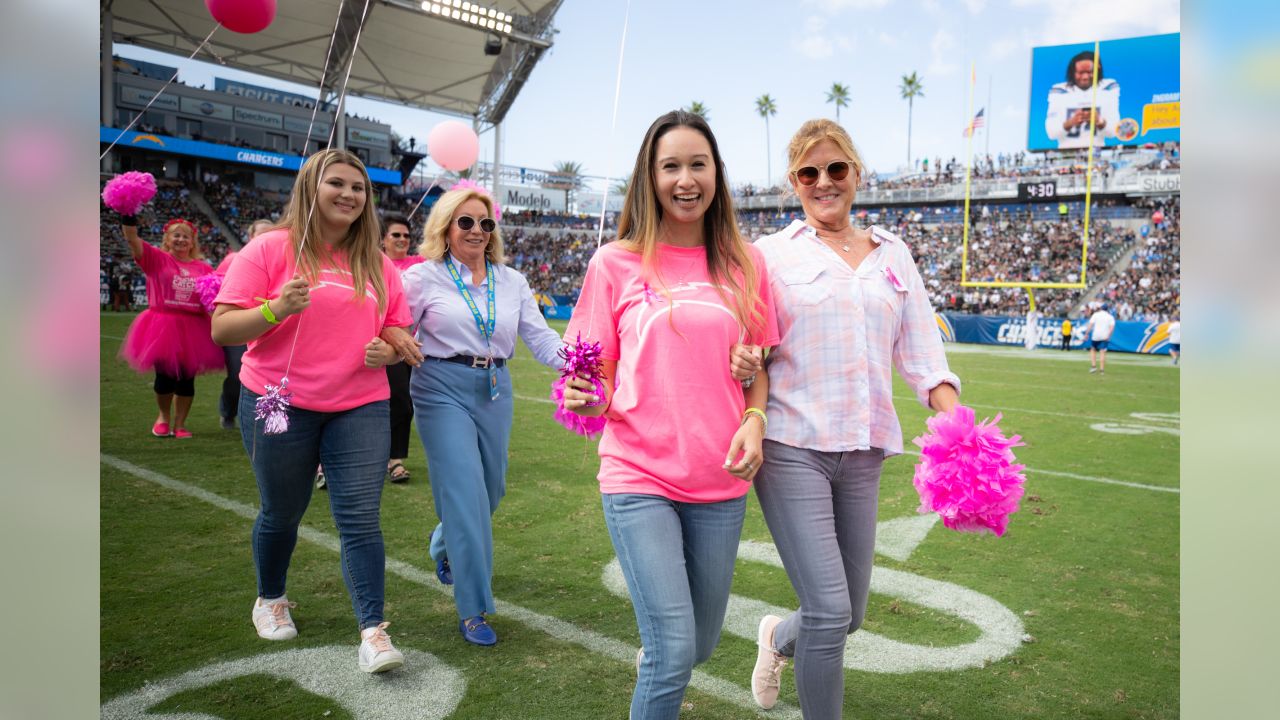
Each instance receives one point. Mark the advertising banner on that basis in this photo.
(1131, 337)
(196, 148)
(1138, 93)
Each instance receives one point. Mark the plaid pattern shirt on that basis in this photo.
(843, 330)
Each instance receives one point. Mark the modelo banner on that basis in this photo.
(1138, 94)
(1133, 337)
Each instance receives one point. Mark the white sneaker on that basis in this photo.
(1093, 370)
(272, 619)
(767, 675)
(377, 654)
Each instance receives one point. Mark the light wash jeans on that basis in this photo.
(678, 561)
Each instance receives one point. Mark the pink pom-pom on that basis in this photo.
(208, 286)
(588, 427)
(127, 193)
(967, 472)
(472, 185)
(273, 408)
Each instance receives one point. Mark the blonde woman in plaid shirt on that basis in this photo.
(850, 306)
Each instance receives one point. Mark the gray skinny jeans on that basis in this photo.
(821, 510)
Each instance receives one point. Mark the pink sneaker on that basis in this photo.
(767, 674)
(160, 429)
(182, 434)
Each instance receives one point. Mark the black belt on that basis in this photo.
(470, 361)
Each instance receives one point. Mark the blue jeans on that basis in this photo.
(678, 561)
(354, 447)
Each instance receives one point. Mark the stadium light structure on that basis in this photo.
(483, 18)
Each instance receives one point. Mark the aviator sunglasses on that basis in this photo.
(809, 174)
(466, 222)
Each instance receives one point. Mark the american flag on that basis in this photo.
(976, 123)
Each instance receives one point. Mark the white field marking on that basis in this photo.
(112, 337)
(899, 537)
(1168, 423)
(1006, 410)
(556, 628)
(424, 689)
(1046, 354)
(866, 651)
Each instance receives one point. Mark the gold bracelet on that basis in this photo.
(267, 314)
(764, 421)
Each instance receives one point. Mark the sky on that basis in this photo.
(727, 54)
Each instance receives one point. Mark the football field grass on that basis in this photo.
(1072, 614)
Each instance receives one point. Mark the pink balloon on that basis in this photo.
(453, 145)
(243, 16)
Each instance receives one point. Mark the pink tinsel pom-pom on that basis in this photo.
(588, 427)
(967, 472)
(127, 193)
(207, 286)
(273, 408)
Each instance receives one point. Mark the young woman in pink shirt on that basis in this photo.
(312, 311)
(171, 337)
(666, 302)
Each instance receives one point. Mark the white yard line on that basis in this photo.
(556, 628)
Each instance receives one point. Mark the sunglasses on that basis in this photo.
(837, 171)
(466, 222)
(399, 235)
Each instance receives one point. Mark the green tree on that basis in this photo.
(912, 87)
(766, 106)
(568, 177)
(622, 185)
(697, 108)
(838, 94)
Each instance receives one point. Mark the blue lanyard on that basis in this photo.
(486, 329)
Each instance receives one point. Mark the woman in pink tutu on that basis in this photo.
(171, 337)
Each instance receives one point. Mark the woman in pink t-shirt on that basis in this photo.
(310, 299)
(171, 337)
(666, 302)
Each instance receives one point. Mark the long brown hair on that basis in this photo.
(361, 244)
(641, 220)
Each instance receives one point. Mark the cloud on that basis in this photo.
(975, 6)
(943, 58)
(1085, 20)
(1007, 45)
(887, 39)
(832, 7)
(815, 42)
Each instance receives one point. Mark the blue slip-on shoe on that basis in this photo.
(444, 572)
(476, 630)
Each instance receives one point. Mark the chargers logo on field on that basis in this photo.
(944, 327)
(149, 138)
(1155, 338)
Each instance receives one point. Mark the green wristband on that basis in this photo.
(266, 313)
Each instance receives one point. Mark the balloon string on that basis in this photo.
(158, 92)
(342, 94)
(613, 125)
(431, 187)
(323, 73)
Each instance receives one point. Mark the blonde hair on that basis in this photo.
(262, 223)
(641, 219)
(361, 244)
(435, 235)
(196, 252)
(815, 131)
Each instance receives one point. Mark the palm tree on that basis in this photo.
(622, 185)
(838, 94)
(697, 108)
(766, 106)
(567, 177)
(912, 87)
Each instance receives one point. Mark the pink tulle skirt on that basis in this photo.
(174, 343)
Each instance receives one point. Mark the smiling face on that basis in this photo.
(396, 242)
(341, 197)
(180, 241)
(684, 175)
(1082, 74)
(826, 202)
(468, 246)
